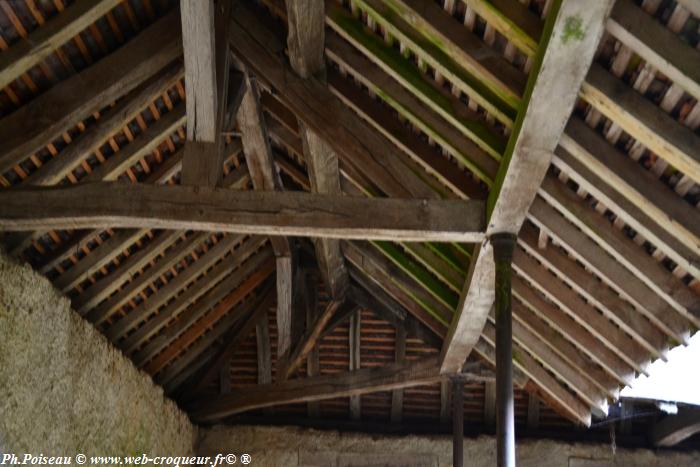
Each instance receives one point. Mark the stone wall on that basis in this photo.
(286, 446)
(65, 390)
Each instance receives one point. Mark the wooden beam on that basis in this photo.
(319, 388)
(673, 429)
(76, 98)
(547, 105)
(656, 44)
(308, 340)
(205, 38)
(322, 166)
(128, 205)
(42, 42)
(312, 102)
(200, 50)
(643, 120)
(305, 41)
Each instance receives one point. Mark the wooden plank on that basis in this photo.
(98, 258)
(319, 388)
(595, 349)
(69, 102)
(565, 349)
(103, 311)
(656, 44)
(512, 19)
(428, 30)
(145, 308)
(198, 328)
(229, 290)
(548, 102)
(42, 42)
(615, 308)
(429, 158)
(215, 283)
(644, 121)
(418, 103)
(636, 195)
(128, 205)
(354, 343)
(576, 307)
(389, 72)
(616, 244)
(116, 118)
(313, 103)
(131, 266)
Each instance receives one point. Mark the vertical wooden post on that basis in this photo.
(503, 246)
(355, 404)
(457, 422)
(397, 394)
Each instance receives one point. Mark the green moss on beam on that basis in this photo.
(436, 288)
(500, 102)
(532, 79)
(403, 69)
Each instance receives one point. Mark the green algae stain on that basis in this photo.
(573, 29)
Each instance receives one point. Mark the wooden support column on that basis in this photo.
(312, 361)
(490, 404)
(503, 247)
(305, 43)
(355, 407)
(263, 172)
(457, 422)
(397, 394)
(209, 106)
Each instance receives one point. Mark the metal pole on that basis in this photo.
(457, 422)
(503, 246)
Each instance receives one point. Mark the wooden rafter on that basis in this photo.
(548, 101)
(67, 103)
